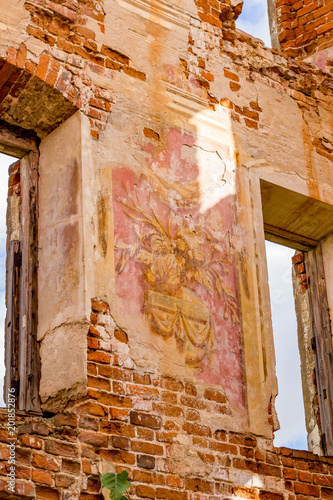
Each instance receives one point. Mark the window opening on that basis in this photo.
(5, 162)
(289, 402)
(254, 20)
(297, 221)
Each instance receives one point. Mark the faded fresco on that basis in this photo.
(174, 256)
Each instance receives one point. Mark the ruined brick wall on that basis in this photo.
(304, 27)
(158, 429)
(155, 177)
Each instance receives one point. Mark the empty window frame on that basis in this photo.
(306, 224)
(21, 348)
(289, 402)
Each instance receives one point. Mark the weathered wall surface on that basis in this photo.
(150, 201)
(306, 29)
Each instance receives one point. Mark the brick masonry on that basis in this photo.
(159, 429)
(304, 27)
(139, 422)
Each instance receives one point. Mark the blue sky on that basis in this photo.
(254, 20)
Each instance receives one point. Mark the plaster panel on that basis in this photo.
(186, 181)
(63, 365)
(61, 283)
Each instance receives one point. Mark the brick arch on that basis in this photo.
(39, 95)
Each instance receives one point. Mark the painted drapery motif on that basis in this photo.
(176, 256)
(175, 267)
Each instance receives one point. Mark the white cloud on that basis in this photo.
(254, 20)
(289, 402)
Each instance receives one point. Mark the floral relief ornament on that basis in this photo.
(176, 257)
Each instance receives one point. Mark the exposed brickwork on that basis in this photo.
(137, 421)
(299, 267)
(304, 27)
(71, 51)
(14, 184)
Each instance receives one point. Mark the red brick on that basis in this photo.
(99, 383)
(92, 409)
(25, 489)
(197, 429)
(149, 448)
(243, 492)
(70, 466)
(231, 75)
(42, 476)
(32, 441)
(118, 428)
(143, 391)
(4, 453)
(119, 334)
(215, 395)
(251, 123)
(223, 447)
(171, 494)
(305, 477)
(92, 369)
(94, 438)
(298, 258)
(190, 389)
(47, 493)
(145, 491)
(98, 305)
(145, 420)
(193, 402)
(115, 373)
(289, 473)
(61, 448)
(193, 415)
(234, 86)
(22, 472)
(113, 54)
(269, 470)
(45, 462)
(64, 481)
(198, 484)
(268, 495)
(65, 419)
(99, 357)
(118, 456)
(169, 397)
(88, 422)
(108, 399)
(119, 414)
(307, 489)
(327, 493)
(168, 410)
(121, 442)
(139, 378)
(323, 480)
(42, 67)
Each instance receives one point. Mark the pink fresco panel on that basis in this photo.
(175, 264)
